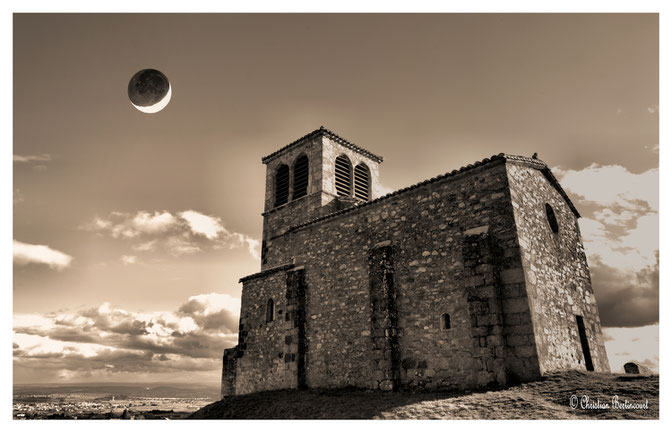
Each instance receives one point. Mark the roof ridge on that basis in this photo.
(324, 131)
(537, 163)
(468, 167)
(267, 272)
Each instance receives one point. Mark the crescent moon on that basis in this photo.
(159, 105)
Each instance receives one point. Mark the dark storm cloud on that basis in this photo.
(198, 343)
(118, 361)
(619, 228)
(221, 320)
(130, 327)
(114, 340)
(224, 320)
(623, 301)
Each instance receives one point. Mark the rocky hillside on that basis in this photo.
(550, 398)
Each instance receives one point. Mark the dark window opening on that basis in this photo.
(362, 181)
(445, 321)
(300, 177)
(343, 176)
(270, 311)
(282, 185)
(552, 221)
(584, 344)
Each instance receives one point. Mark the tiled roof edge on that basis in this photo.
(535, 163)
(541, 165)
(499, 157)
(323, 131)
(267, 272)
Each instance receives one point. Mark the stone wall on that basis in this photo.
(453, 283)
(556, 273)
(321, 198)
(278, 219)
(330, 151)
(229, 371)
(428, 227)
(383, 293)
(267, 349)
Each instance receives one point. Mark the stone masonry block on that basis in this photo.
(512, 276)
(515, 305)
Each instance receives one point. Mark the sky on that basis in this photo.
(131, 230)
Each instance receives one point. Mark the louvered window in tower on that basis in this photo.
(281, 185)
(300, 177)
(343, 176)
(362, 181)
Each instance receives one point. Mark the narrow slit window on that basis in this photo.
(270, 311)
(343, 176)
(362, 182)
(552, 221)
(445, 321)
(300, 177)
(282, 185)
(585, 348)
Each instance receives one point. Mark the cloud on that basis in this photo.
(128, 226)
(655, 148)
(32, 158)
(253, 247)
(610, 240)
(624, 299)
(613, 186)
(25, 254)
(179, 245)
(145, 246)
(213, 311)
(128, 260)
(145, 222)
(186, 232)
(202, 224)
(76, 344)
(620, 235)
(18, 196)
(639, 345)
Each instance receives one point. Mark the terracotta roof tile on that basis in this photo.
(536, 163)
(267, 272)
(323, 131)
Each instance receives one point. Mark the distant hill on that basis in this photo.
(546, 399)
(157, 390)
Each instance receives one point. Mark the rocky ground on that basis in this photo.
(550, 398)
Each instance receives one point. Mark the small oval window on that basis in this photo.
(552, 221)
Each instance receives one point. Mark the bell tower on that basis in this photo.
(318, 174)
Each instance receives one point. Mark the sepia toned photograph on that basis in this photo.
(373, 216)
